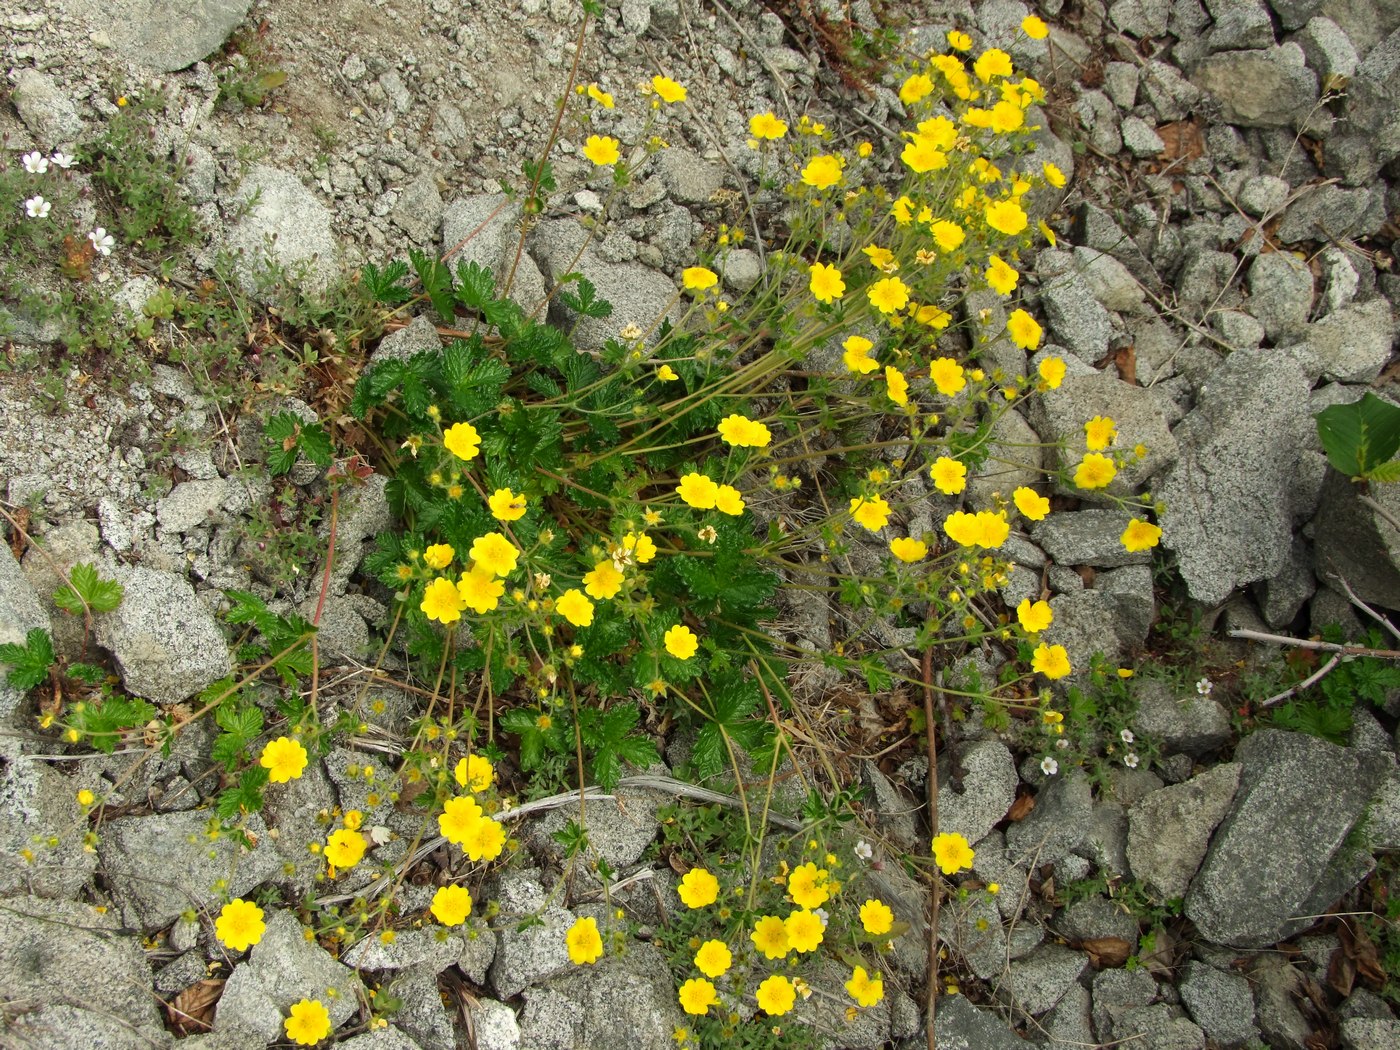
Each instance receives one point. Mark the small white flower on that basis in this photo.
(62, 160)
(102, 241)
(821, 914)
(1204, 686)
(1131, 760)
(35, 163)
(1049, 766)
(37, 208)
(863, 850)
(1126, 736)
(1062, 744)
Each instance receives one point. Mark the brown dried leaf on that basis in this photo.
(192, 1010)
(1182, 140)
(21, 516)
(1106, 952)
(1021, 808)
(1341, 974)
(1125, 360)
(1360, 950)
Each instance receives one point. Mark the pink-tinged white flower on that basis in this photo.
(863, 850)
(1049, 766)
(102, 241)
(37, 208)
(1126, 736)
(1131, 760)
(1204, 686)
(62, 160)
(1062, 744)
(35, 163)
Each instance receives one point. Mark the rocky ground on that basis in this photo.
(1223, 272)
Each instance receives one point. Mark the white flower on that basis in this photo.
(1131, 760)
(37, 208)
(863, 850)
(1126, 736)
(102, 241)
(1062, 744)
(1049, 766)
(35, 163)
(821, 914)
(62, 160)
(1204, 686)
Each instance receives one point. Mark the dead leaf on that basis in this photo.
(192, 1010)
(1181, 140)
(1125, 360)
(1360, 950)
(17, 536)
(1341, 974)
(1106, 952)
(1021, 808)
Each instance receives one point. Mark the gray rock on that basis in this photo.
(1238, 329)
(1077, 321)
(623, 1001)
(1294, 13)
(422, 1014)
(74, 1028)
(1040, 980)
(618, 831)
(1087, 623)
(895, 809)
(1159, 1027)
(418, 336)
(58, 952)
(21, 611)
(1140, 18)
(419, 209)
(1371, 93)
(1206, 277)
(989, 787)
(1228, 517)
(1356, 543)
(1190, 724)
(1331, 213)
(1087, 537)
(165, 37)
(181, 972)
(1258, 89)
(1280, 294)
(1014, 458)
(36, 806)
(1140, 138)
(410, 949)
(1100, 119)
(1370, 1033)
(1382, 826)
(1221, 1003)
(1281, 598)
(742, 269)
(532, 955)
(1329, 50)
(495, 1025)
(638, 295)
(192, 504)
(281, 223)
(1170, 93)
(284, 968)
(485, 229)
(1116, 994)
(1097, 917)
(1353, 344)
(380, 1039)
(690, 178)
(1239, 25)
(163, 638)
(1294, 789)
(159, 866)
(1070, 1023)
(1262, 195)
(1277, 990)
(46, 110)
(1131, 591)
(1056, 826)
(1169, 830)
(958, 1025)
(1120, 82)
(1112, 283)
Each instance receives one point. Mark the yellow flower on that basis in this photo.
(575, 608)
(728, 500)
(713, 959)
(776, 995)
(479, 590)
(1053, 175)
(1031, 503)
(873, 513)
(484, 840)
(804, 930)
(1005, 217)
(600, 96)
(949, 476)
(1050, 660)
(1046, 232)
(951, 852)
(992, 529)
(1052, 369)
(947, 235)
(666, 374)
(698, 888)
(584, 942)
(809, 886)
(992, 63)
(451, 905)
(668, 89)
(888, 295)
(1095, 471)
(825, 283)
(642, 547)
(1001, 277)
(697, 995)
(876, 917)
(345, 848)
(1007, 117)
(947, 376)
(1025, 333)
(239, 925)
(441, 602)
(698, 491)
(462, 440)
(864, 149)
(698, 278)
(307, 1023)
(896, 386)
(87, 798)
(494, 553)
(681, 642)
(857, 355)
(1099, 433)
(284, 759)
(908, 549)
(604, 581)
(1140, 535)
(958, 40)
(457, 817)
(822, 171)
(1034, 28)
(507, 505)
(601, 149)
(474, 772)
(915, 88)
(767, 126)
(920, 155)
(933, 316)
(743, 432)
(1034, 617)
(864, 989)
(439, 556)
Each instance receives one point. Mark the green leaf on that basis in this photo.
(30, 662)
(586, 302)
(437, 282)
(241, 726)
(1361, 436)
(86, 589)
(384, 285)
(523, 723)
(1385, 473)
(287, 435)
(244, 797)
(104, 721)
(475, 285)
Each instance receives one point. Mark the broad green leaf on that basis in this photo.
(1360, 436)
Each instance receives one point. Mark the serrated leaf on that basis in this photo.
(29, 663)
(1385, 473)
(437, 282)
(315, 444)
(476, 286)
(384, 285)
